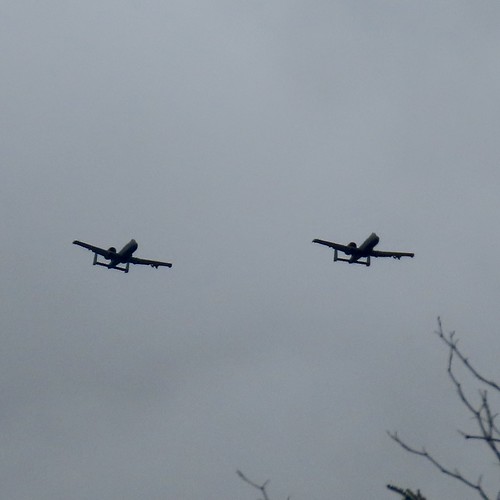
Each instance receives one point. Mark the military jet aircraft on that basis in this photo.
(124, 256)
(365, 250)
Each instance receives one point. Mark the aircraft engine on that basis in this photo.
(112, 249)
(352, 244)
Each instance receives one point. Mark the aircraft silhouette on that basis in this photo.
(365, 250)
(124, 256)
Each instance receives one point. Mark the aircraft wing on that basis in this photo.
(395, 255)
(152, 263)
(97, 250)
(337, 246)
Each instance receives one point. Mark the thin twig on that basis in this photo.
(485, 438)
(261, 487)
(406, 494)
(453, 345)
(482, 415)
(455, 473)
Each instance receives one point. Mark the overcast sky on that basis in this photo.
(224, 136)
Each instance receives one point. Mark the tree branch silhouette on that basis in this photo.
(481, 412)
(260, 487)
(406, 494)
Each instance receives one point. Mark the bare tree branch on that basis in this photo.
(468, 436)
(482, 415)
(406, 494)
(260, 487)
(484, 418)
(452, 344)
(455, 473)
(480, 409)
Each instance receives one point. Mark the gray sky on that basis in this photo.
(224, 136)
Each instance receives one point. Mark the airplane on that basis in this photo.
(124, 256)
(365, 250)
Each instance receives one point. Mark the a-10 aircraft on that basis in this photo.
(124, 256)
(364, 251)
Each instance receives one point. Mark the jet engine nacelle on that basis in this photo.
(353, 246)
(112, 249)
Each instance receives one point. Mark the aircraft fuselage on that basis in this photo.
(365, 249)
(123, 256)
